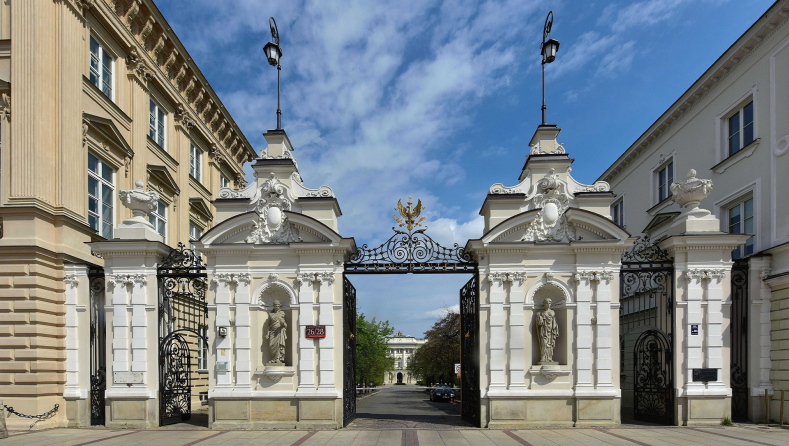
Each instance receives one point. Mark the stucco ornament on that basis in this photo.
(550, 224)
(140, 201)
(548, 331)
(277, 334)
(538, 149)
(273, 225)
(690, 192)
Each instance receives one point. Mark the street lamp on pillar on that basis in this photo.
(548, 49)
(273, 54)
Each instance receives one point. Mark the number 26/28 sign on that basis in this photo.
(315, 331)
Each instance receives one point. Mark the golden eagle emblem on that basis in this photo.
(409, 215)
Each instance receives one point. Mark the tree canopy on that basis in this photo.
(435, 360)
(372, 351)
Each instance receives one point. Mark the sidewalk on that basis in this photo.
(626, 436)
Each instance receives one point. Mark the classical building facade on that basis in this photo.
(731, 127)
(104, 94)
(402, 349)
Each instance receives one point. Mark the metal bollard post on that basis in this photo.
(3, 428)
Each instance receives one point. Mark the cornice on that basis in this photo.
(151, 37)
(734, 57)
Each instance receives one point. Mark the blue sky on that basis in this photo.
(439, 98)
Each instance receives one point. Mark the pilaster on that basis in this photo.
(243, 332)
(603, 335)
(76, 280)
(498, 331)
(223, 344)
(326, 317)
(305, 282)
(517, 363)
(584, 339)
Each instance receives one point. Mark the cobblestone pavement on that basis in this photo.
(626, 436)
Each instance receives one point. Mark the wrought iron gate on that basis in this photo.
(412, 251)
(183, 312)
(349, 351)
(469, 352)
(646, 320)
(739, 341)
(98, 346)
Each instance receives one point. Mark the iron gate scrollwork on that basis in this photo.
(469, 352)
(739, 341)
(98, 346)
(646, 320)
(349, 351)
(183, 315)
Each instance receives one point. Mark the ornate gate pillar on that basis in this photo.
(702, 262)
(130, 261)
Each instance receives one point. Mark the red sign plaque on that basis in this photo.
(315, 331)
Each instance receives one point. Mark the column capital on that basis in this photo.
(498, 277)
(700, 274)
(71, 279)
(305, 278)
(327, 277)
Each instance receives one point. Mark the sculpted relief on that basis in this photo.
(277, 334)
(548, 332)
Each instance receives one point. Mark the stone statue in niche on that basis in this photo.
(277, 333)
(548, 331)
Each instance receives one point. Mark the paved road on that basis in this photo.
(405, 407)
(745, 435)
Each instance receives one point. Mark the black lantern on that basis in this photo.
(548, 50)
(273, 54)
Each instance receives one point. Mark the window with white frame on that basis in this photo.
(194, 234)
(101, 65)
(618, 212)
(665, 176)
(101, 196)
(223, 182)
(195, 162)
(202, 349)
(158, 219)
(156, 126)
(740, 128)
(741, 221)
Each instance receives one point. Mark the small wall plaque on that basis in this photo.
(705, 375)
(221, 366)
(694, 329)
(127, 377)
(315, 331)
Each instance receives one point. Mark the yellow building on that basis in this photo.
(104, 94)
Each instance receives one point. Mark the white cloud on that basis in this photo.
(648, 12)
(441, 312)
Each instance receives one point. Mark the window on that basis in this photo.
(741, 222)
(223, 181)
(202, 349)
(618, 212)
(195, 162)
(157, 124)
(101, 196)
(158, 219)
(665, 178)
(194, 233)
(101, 64)
(740, 132)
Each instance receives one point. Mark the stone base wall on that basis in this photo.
(779, 351)
(273, 413)
(132, 413)
(506, 413)
(703, 411)
(32, 335)
(78, 412)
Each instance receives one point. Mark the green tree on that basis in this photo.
(435, 360)
(372, 352)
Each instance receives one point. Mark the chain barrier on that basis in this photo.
(43, 416)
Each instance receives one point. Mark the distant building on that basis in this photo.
(402, 348)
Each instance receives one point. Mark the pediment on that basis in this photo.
(107, 129)
(163, 177)
(585, 225)
(237, 229)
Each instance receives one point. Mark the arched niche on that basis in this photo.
(559, 298)
(264, 297)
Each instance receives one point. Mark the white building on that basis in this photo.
(402, 349)
(730, 126)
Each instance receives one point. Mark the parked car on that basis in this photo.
(441, 392)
